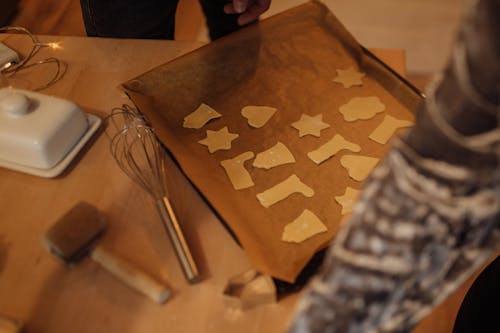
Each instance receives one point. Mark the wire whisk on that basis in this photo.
(139, 153)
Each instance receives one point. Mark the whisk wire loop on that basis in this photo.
(141, 156)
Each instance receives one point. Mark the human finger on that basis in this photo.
(229, 8)
(237, 6)
(254, 11)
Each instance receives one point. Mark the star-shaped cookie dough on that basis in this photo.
(349, 77)
(218, 140)
(347, 200)
(310, 125)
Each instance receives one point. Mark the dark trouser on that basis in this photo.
(151, 19)
(480, 309)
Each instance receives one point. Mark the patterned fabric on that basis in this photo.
(419, 230)
(428, 216)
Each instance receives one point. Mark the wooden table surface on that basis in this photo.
(49, 297)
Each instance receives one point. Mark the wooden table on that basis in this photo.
(48, 297)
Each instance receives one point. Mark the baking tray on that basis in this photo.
(287, 61)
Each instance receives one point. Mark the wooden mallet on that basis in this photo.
(75, 235)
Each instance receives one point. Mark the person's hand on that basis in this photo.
(250, 10)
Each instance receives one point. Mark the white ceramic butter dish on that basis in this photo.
(40, 134)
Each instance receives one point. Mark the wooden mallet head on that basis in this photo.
(74, 235)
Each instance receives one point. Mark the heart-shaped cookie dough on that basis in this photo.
(258, 116)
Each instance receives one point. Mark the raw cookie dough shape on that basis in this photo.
(281, 191)
(358, 167)
(198, 118)
(235, 170)
(347, 200)
(218, 140)
(361, 108)
(349, 77)
(310, 125)
(273, 157)
(303, 227)
(258, 116)
(387, 128)
(332, 147)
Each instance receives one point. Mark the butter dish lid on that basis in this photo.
(38, 131)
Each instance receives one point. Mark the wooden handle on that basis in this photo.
(130, 275)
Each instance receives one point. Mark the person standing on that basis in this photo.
(155, 19)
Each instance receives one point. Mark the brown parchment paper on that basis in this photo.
(288, 62)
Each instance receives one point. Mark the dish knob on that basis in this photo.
(15, 104)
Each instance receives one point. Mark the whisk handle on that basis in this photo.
(178, 240)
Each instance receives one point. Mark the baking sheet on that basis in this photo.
(287, 61)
